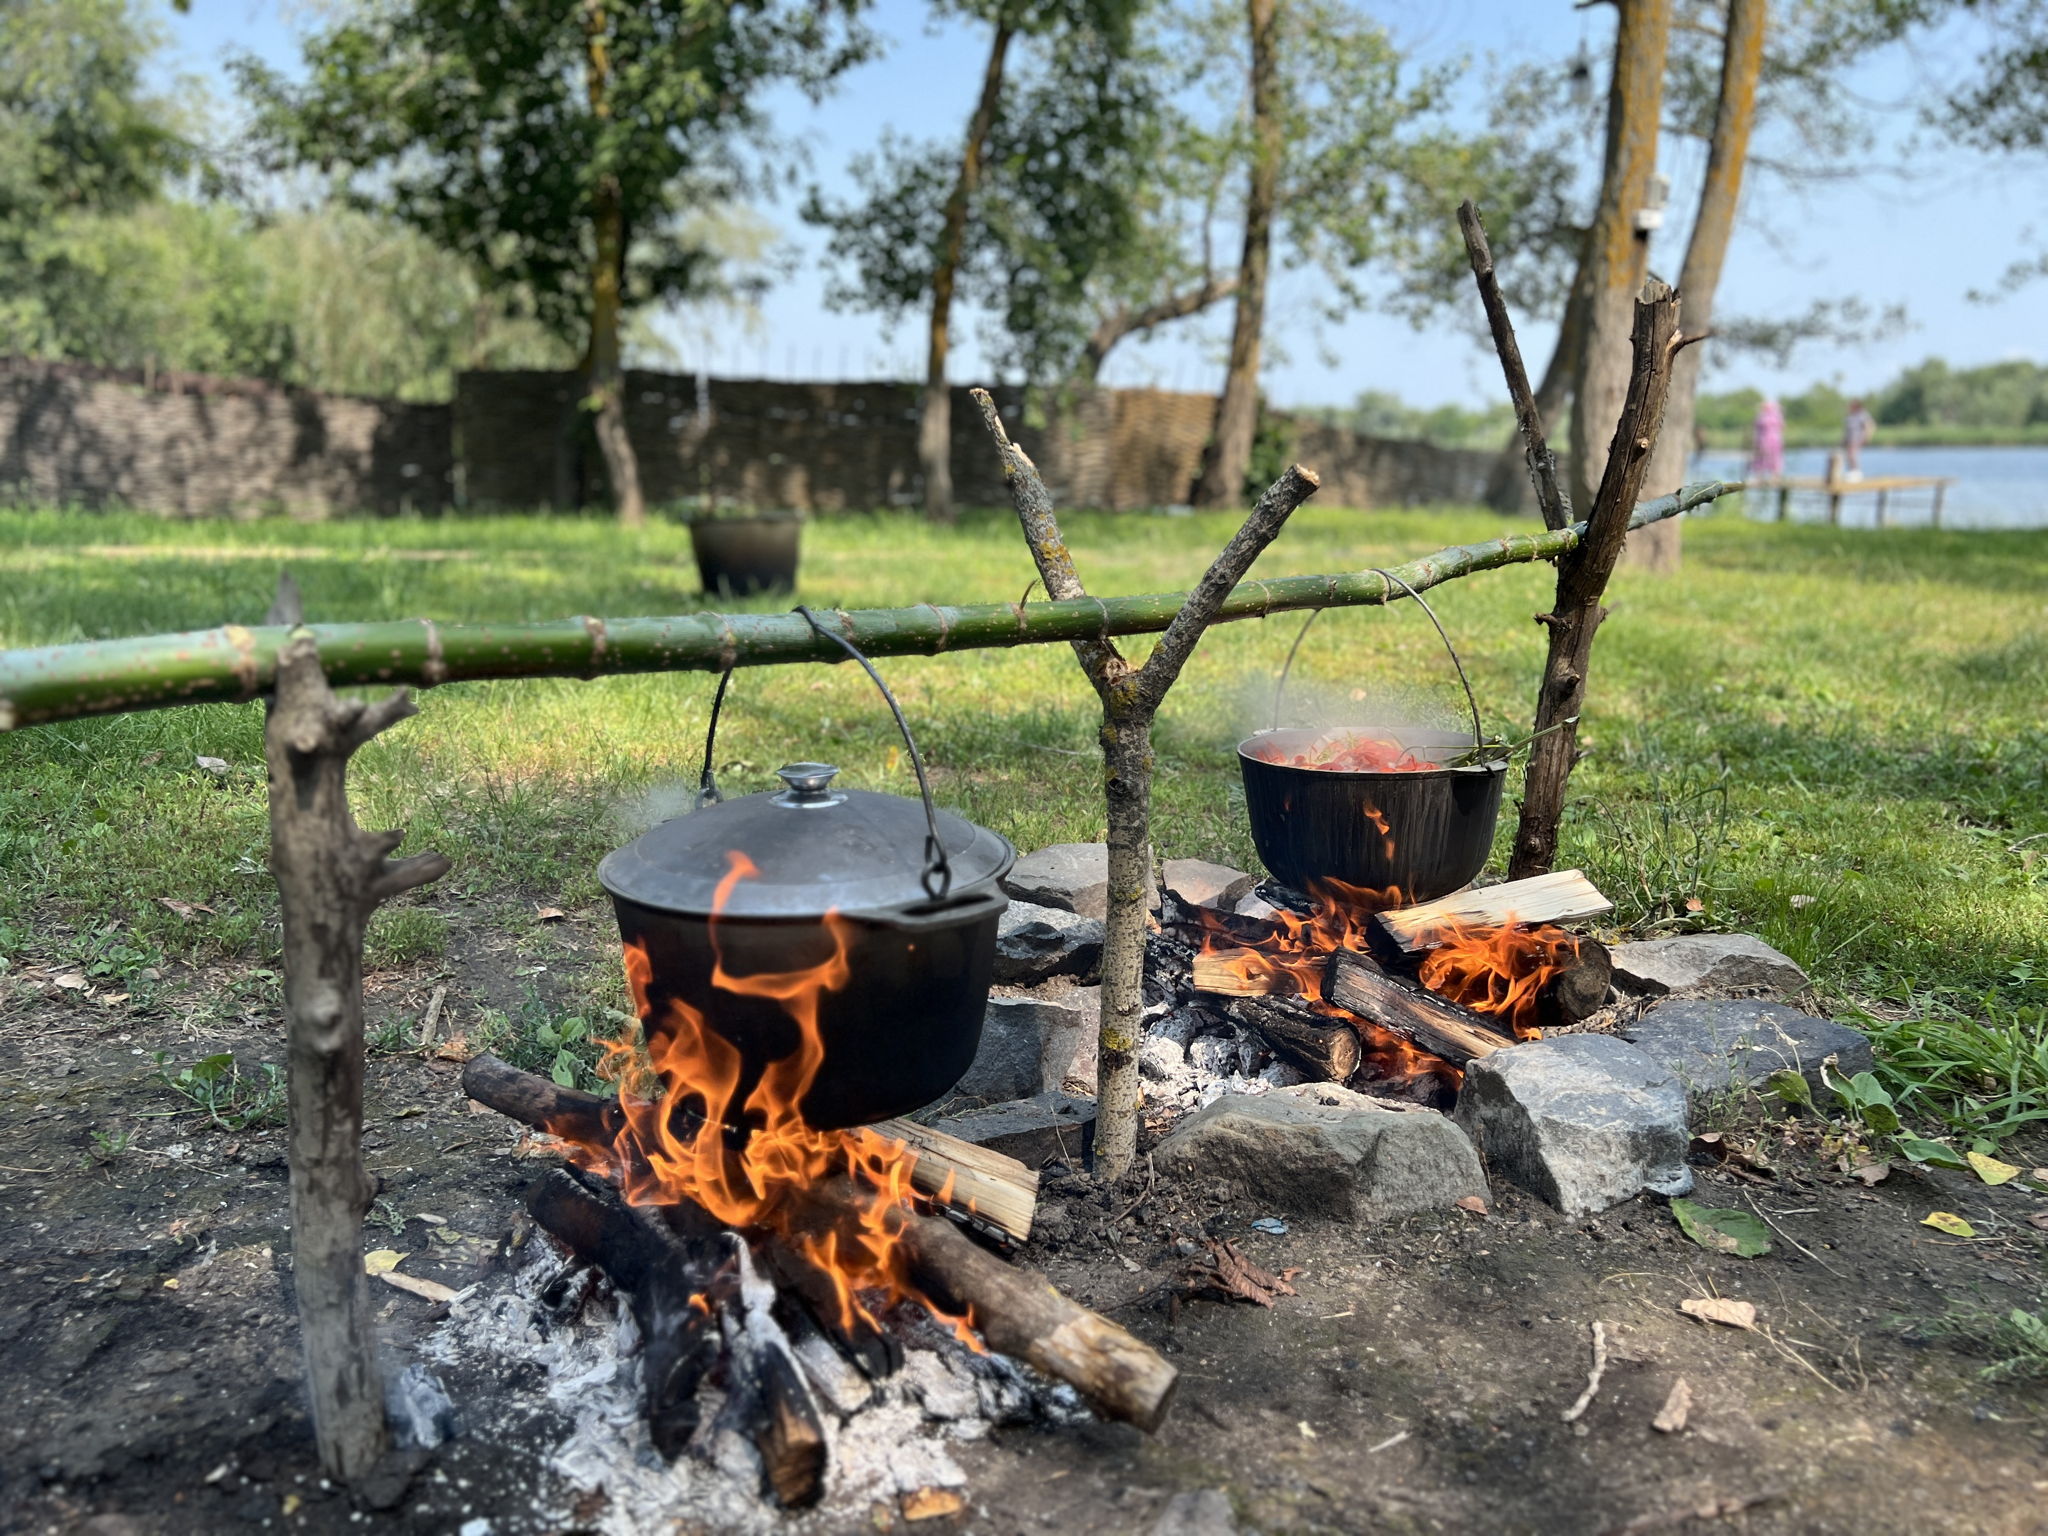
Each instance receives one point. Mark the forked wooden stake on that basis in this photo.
(331, 875)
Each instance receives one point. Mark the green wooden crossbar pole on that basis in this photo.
(108, 677)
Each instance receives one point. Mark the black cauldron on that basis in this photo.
(775, 883)
(1314, 825)
(904, 1025)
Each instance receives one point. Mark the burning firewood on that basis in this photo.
(956, 1174)
(1563, 896)
(1457, 1034)
(1324, 1048)
(1225, 974)
(1015, 1309)
(1579, 989)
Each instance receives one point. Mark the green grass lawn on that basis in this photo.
(1835, 739)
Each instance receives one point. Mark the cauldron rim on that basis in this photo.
(1408, 736)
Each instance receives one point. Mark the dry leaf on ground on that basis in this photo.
(213, 765)
(1671, 1417)
(382, 1261)
(549, 915)
(71, 981)
(1949, 1222)
(932, 1504)
(1226, 1272)
(1721, 1309)
(1474, 1204)
(1871, 1173)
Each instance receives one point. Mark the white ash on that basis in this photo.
(886, 1440)
(1191, 1058)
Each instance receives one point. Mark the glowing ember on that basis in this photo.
(1348, 752)
(679, 1099)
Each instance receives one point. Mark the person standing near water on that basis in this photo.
(1767, 442)
(1857, 428)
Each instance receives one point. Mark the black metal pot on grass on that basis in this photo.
(740, 554)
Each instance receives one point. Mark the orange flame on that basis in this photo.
(685, 1138)
(1499, 971)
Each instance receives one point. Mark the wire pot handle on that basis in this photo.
(938, 874)
(1280, 688)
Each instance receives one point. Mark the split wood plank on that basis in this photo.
(1220, 973)
(1562, 896)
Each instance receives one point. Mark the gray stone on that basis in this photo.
(1033, 1130)
(1071, 876)
(1720, 962)
(1205, 1512)
(1035, 943)
(1030, 1043)
(1584, 1121)
(1714, 1045)
(1321, 1150)
(1198, 883)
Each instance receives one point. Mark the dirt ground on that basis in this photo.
(1417, 1382)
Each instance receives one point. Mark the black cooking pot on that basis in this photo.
(913, 894)
(1409, 836)
(1314, 825)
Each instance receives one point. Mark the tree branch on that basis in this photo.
(1163, 666)
(1550, 496)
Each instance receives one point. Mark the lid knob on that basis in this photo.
(808, 784)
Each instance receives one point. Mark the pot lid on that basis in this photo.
(816, 848)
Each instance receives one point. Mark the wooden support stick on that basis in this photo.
(972, 1180)
(1436, 1024)
(331, 875)
(1131, 697)
(1562, 896)
(1582, 581)
(1550, 496)
(1324, 1048)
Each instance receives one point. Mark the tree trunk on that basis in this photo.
(1617, 252)
(331, 875)
(1658, 548)
(935, 420)
(1582, 582)
(1228, 457)
(607, 390)
(1509, 475)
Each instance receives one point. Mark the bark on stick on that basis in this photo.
(1550, 498)
(1131, 697)
(331, 875)
(1582, 581)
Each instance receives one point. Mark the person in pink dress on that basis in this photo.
(1767, 442)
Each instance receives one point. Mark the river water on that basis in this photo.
(1994, 487)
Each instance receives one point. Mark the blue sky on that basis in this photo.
(1923, 240)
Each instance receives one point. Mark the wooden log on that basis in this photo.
(985, 1185)
(1437, 1025)
(331, 875)
(767, 1398)
(1561, 896)
(991, 1186)
(1579, 990)
(1220, 972)
(1019, 1313)
(671, 1281)
(1326, 1049)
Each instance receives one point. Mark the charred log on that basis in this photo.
(1436, 1024)
(1325, 1048)
(1579, 989)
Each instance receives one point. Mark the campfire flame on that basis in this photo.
(1499, 971)
(679, 1097)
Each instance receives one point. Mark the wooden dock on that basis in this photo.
(1835, 487)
